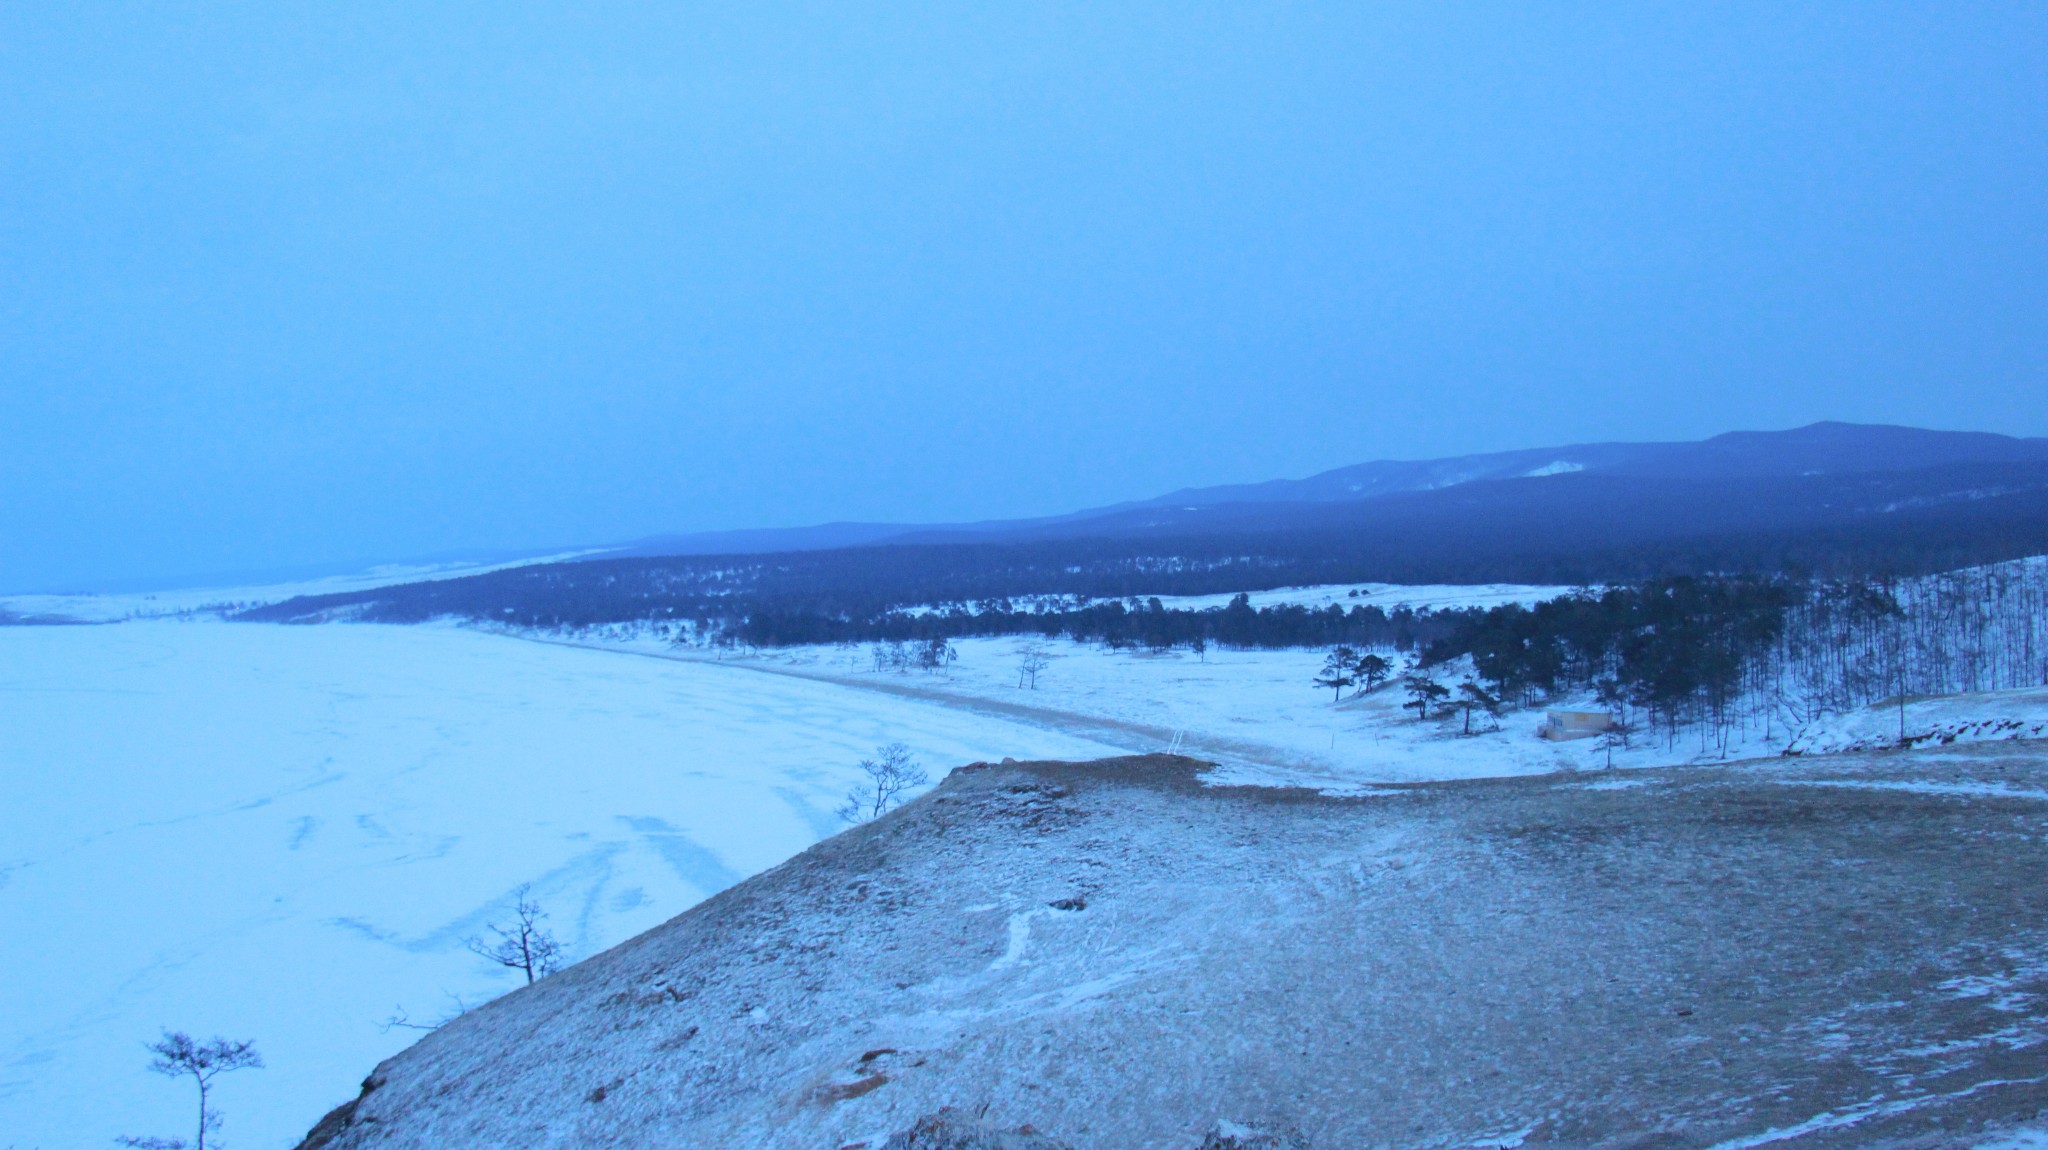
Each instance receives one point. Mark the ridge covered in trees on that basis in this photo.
(1561, 530)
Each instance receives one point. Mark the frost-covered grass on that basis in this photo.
(286, 834)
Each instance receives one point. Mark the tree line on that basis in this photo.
(1553, 532)
(1731, 654)
(1115, 623)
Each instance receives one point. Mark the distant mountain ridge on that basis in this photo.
(1826, 448)
(1833, 500)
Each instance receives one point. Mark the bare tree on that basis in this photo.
(890, 773)
(177, 1056)
(526, 945)
(1030, 665)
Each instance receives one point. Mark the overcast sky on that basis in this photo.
(287, 284)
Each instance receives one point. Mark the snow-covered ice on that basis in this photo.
(287, 833)
(169, 602)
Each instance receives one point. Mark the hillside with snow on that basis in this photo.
(1818, 952)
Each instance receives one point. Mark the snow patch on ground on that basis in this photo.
(1958, 790)
(2035, 1138)
(1854, 1115)
(1991, 716)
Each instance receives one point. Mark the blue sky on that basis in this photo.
(291, 284)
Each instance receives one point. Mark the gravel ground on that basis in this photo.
(1847, 950)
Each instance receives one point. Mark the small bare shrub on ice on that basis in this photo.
(177, 1056)
(526, 945)
(890, 773)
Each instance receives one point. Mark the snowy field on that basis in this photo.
(287, 833)
(1259, 714)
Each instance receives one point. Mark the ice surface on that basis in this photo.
(286, 833)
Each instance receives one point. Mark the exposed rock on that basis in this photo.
(336, 1121)
(1236, 1136)
(950, 1129)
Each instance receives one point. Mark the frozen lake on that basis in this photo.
(287, 834)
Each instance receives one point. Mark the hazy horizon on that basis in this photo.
(425, 563)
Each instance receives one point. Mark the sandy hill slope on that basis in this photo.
(1846, 950)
